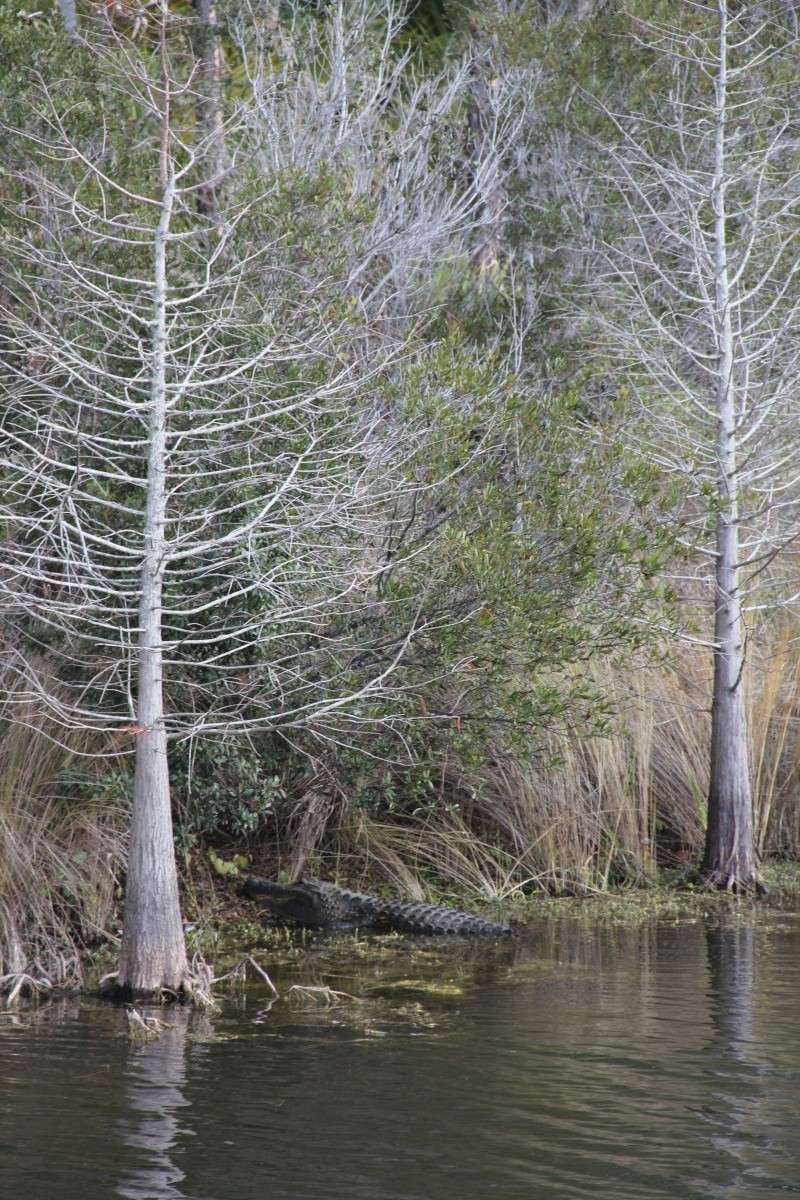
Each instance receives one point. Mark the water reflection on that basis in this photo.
(154, 1081)
(653, 1063)
(731, 973)
(734, 1114)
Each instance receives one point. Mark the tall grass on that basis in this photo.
(60, 857)
(597, 811)
(592, 812)
(775, 730)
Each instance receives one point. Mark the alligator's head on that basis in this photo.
(298, 901)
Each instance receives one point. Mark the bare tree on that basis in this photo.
(339, 96)
(700, 300)
(201, 471)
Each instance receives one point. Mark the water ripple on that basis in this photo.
(639, 1064)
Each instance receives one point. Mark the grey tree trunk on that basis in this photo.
(488, 252)
(69, 15)
(153, 954)
(210, 122)
(729, 859)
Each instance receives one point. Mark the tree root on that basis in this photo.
(723, 880)
(196, 989)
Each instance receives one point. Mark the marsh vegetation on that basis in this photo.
(399, 469)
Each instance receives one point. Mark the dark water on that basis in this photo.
(586, 1062)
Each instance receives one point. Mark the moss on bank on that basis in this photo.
(670, 897)
(237, 930)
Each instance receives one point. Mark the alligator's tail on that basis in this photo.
(407, 916)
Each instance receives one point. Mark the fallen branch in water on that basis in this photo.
(310, 993)
(326, 995)
(16, 982)
(263, 975)
(141, 1028)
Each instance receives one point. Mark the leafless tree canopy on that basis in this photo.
(701, 306)
(139, 326)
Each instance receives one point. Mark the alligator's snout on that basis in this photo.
(288, 900)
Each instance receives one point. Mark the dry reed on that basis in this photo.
(594, 811)
(601, 810)
(60, 858)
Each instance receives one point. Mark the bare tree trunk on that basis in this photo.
(730, 852)
(153, 953)
(488, 253)
(69, 15)
(210, 123)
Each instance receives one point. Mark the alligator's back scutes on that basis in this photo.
(312, 902)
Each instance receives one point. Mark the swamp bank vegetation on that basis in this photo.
(610, 830)
(398, 461)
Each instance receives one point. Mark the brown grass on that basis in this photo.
(775, 732)
(59, 859)
(611, 811)
(605, 810)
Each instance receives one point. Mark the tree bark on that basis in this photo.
(485, 169)
(153, 954)
(210, 122)
(69, 15)
(729, 860)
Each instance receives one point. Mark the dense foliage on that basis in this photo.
(460, 574)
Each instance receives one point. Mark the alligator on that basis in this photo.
(319, 905)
